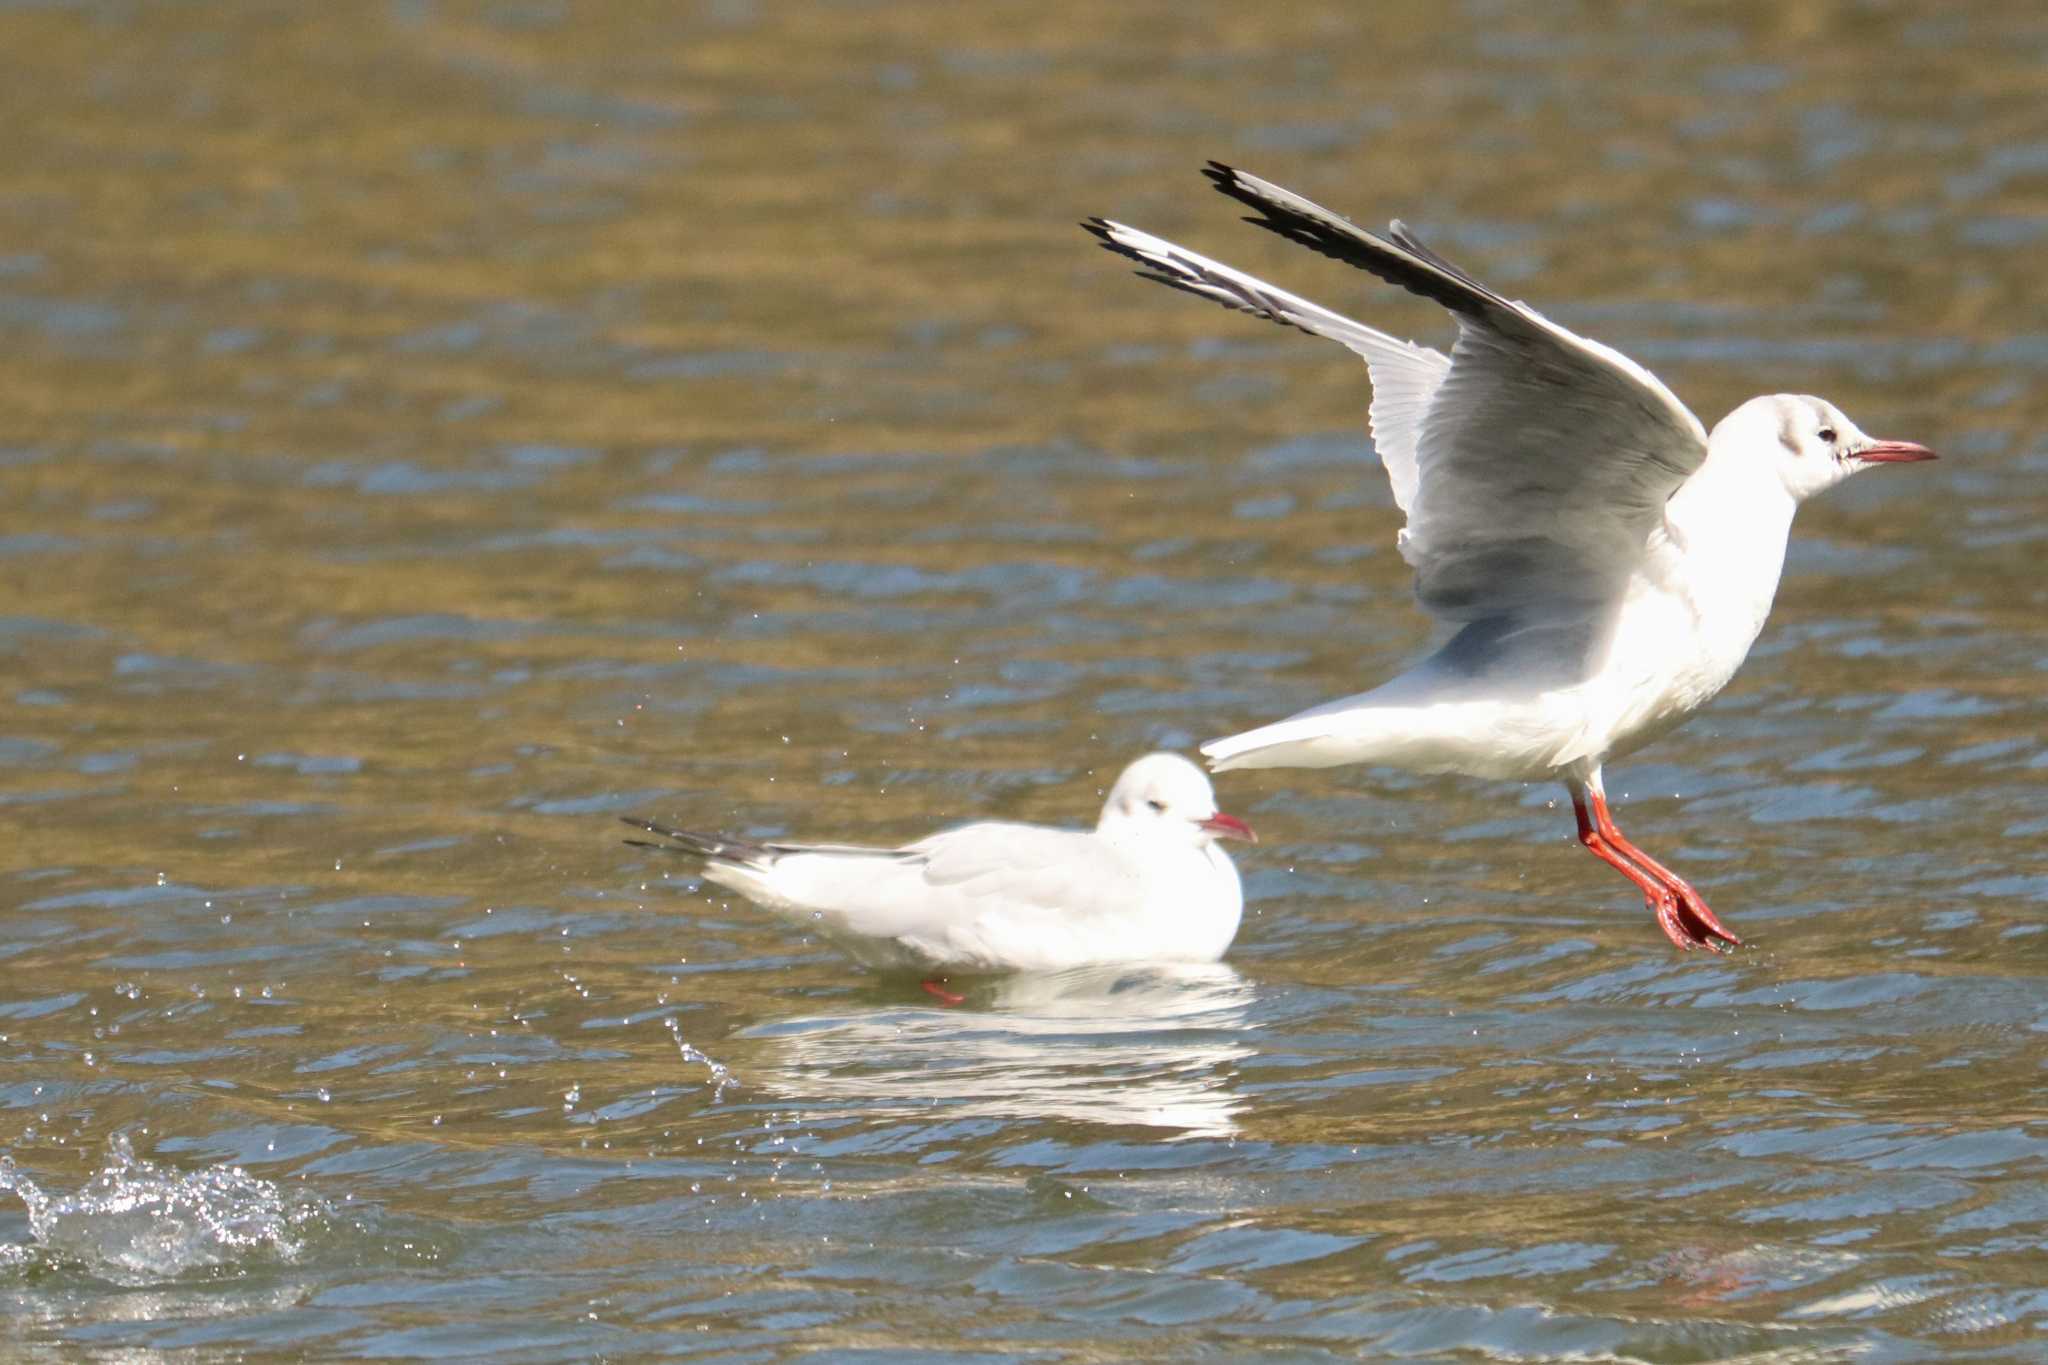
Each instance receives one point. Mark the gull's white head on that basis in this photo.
(1166, 794)
(1807, 441)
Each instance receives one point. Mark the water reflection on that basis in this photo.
(1152, 1047)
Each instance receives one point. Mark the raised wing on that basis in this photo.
(1542, 460)
(1404, 376)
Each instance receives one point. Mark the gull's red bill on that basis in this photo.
(1228, 827)
(1895, 452)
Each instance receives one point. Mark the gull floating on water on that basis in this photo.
(1149, 883)
(1602, 561)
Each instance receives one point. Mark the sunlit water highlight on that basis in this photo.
(136, 1223)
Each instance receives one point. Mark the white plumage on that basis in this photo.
(1148, 884)
(1601, 562)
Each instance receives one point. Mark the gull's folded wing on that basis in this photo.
(1027, 869)
(947, 883)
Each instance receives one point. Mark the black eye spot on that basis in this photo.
(1826, 434)
(1156, 804)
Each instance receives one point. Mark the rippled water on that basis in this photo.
(432, 431)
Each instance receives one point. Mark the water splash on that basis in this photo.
(136, 1223)
(721, 1075)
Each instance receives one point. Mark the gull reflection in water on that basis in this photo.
(1152, 1046)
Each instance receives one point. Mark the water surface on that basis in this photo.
(432, 431)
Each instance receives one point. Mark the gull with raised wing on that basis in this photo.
(1150, 883)
(1601, 562)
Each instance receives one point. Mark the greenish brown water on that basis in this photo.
(430, 431)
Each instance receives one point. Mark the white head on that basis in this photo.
(1807, 441)
(1168, 795)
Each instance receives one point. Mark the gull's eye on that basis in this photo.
(1156, 804)
(1826, 434)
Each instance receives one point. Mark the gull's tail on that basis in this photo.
(1391, 725)
(742, 864)
(1307, 741)
(779, 876)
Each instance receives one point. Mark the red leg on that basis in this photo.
(935, 987)
(1681, 911)
(1700, 922)
(1655, 893)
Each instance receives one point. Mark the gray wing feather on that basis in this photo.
(1023, 868)
(1538, 461)
(1404, 376)
(1545, 458)
(732, 848)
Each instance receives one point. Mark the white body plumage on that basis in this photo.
(1602, 564)
(1149, 883)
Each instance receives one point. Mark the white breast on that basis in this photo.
(1690, 616)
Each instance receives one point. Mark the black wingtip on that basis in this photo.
(1104, 233)
(1228, 179)
(1224, 180)
(1398, 259)
(692, 843)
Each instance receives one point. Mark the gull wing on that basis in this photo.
(1404, 376)
(1545, 458)
(1541, 460)
(1028, 870)
(957, 887)
(731, 848)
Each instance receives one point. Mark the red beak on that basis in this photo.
(1895, 452)
(1228, 827)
